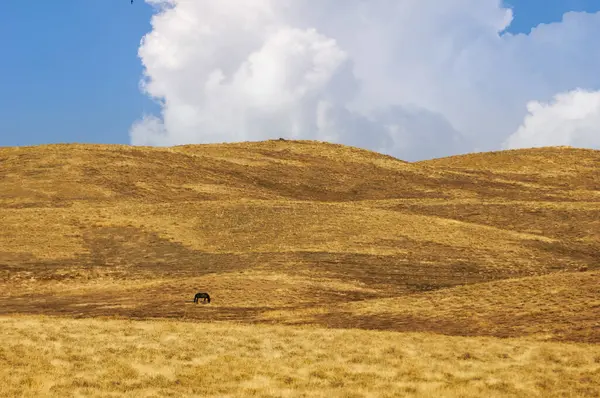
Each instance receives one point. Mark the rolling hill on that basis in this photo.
(333, 271)
(496, 244)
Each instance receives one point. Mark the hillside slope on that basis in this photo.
(290, 227)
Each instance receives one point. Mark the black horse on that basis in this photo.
(204, 296)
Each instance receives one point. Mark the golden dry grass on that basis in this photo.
(559, 306)
(290, 226)
(499, 244)
(43, 356)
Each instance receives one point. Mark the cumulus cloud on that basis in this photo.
(414, 79)
(571, 118)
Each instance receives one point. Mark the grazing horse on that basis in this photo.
(203, 296)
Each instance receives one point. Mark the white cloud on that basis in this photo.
(572, 118)
(412, 78)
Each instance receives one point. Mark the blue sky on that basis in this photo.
(69, 69)
(529, 13)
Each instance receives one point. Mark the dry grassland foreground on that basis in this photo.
(333, 271)
(60, 357)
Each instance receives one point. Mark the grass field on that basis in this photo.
(61, 357)
(340, 257)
